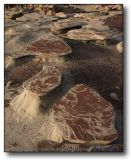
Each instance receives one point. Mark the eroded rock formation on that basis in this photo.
(83, 116)
(98, 28)
(77, 118)
(32, 43)
(28, 101)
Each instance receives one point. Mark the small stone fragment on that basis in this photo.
(119, 47)
(61, 15)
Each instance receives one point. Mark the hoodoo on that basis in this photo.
(28, 103)
(63, 78)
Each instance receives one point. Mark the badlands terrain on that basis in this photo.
(63, 78)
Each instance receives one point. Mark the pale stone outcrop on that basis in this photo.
(67, 24)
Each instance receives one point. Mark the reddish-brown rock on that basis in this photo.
(54, 47)
(44, 81)
(83, 116)
(115, 22)
(36, 43)
(22, 73)
(29, 101)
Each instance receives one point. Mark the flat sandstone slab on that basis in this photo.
(36, 43)
(39, 85)
(98, 28)
(43, 82)
(91, 34)
(67, 23)
(55, 47)
(83, 116)
(20, 74)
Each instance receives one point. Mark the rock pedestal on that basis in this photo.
(28, 103)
